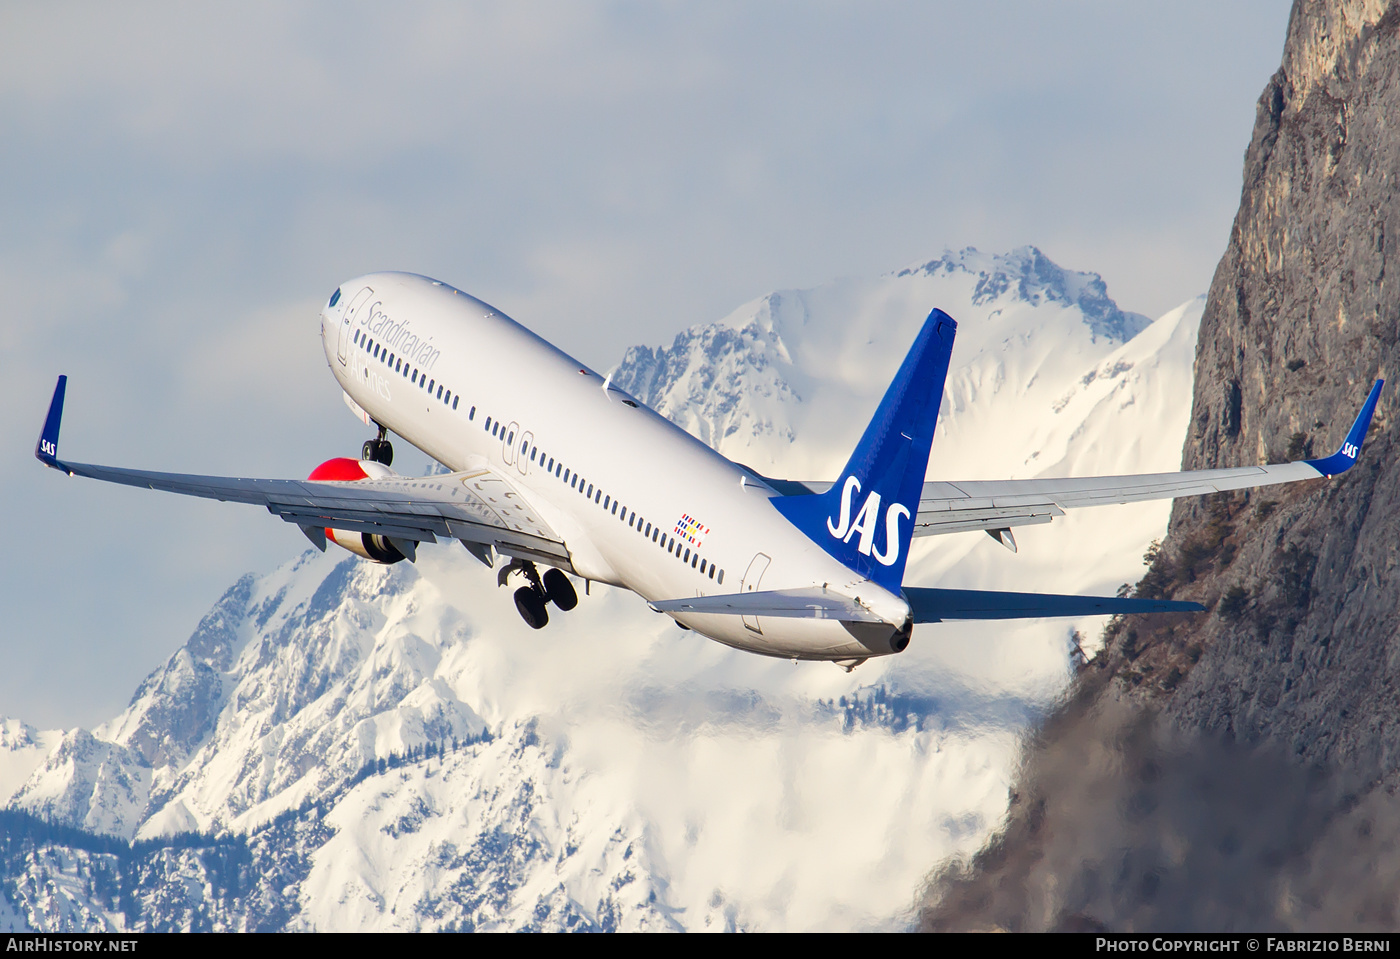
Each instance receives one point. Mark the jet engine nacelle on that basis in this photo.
(371, 546)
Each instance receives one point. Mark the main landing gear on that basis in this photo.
(531, 599)
(379, 450)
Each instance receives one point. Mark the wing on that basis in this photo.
(479, 507)
(1001, 504)
(998, 505)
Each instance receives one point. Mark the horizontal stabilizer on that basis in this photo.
(812, 603)
(934, 605)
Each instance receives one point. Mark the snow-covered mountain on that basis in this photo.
(391, 748)
(22, 748)
(813, 363)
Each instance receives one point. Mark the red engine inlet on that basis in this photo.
(371, 546)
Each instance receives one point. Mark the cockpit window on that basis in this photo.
(335, 298)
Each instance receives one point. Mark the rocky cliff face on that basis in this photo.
(1301, 320)
(1236, 769)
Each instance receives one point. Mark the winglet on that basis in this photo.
(46, 450)
(1342, 460)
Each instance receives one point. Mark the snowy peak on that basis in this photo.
(786, 383)
(16, 735)
(90, 783)
(1028, 275)
(22, 749)
(290, 684)
(717, 382)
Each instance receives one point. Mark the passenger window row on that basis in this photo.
(578, 484)
(434, 389)
(398, 364)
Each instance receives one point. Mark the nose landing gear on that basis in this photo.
(530, 599)
(379, 450)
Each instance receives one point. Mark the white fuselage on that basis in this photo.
(451, 368)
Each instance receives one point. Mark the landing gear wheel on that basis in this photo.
(530, 603)
(379, 451)
(559, 590)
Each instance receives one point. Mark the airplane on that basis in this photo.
(552, 465)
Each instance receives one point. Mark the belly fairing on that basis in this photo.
(801, 638)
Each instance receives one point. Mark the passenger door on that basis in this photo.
(757, 567)
(347, 320)
(508, 444)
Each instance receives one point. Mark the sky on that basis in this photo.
(182, 186)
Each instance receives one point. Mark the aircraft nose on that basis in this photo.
(328, 314)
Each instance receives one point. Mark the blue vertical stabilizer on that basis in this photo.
(866, 519)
